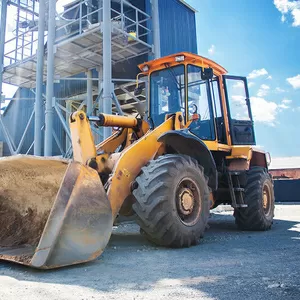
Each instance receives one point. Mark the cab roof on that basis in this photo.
(189, 58)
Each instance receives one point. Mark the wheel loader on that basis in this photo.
(193, 150)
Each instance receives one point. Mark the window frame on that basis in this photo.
(218, 81)
(234, 122)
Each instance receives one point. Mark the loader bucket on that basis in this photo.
(52, 213)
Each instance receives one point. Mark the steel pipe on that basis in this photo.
(38, 106)
(50, 79)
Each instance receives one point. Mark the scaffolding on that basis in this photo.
(49, 47)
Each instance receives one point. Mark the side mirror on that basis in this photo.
(207, 73)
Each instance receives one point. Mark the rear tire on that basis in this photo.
(259, 196)
(172, 201)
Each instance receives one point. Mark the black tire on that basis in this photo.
(259, 196)
(172, 201)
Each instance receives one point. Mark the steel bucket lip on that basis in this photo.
(59, 231)
(18, 254)
(31, 255)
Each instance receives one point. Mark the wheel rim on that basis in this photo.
(188, 201)
(266, 200)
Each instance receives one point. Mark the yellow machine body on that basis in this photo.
(55, 213)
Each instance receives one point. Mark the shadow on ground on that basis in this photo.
(228, 264)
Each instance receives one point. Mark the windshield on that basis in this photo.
(166, 93)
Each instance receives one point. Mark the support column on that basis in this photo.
(100, 99)
(155, 26)
(38, 106)
(100, 89)
(69, 109)
(90, 10)
(50, 79)
(3, 17)
(89, 93)
(107, 65)
(100, 12)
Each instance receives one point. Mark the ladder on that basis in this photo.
(236, 191)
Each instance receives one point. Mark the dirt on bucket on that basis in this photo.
(28, 187)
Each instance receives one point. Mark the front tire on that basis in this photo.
(172, 201)
(259, 196)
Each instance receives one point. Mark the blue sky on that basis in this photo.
(259, 39)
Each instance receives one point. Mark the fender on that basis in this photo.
(184, 142)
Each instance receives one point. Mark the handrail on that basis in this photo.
(24, 45)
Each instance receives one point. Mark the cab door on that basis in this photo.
(239, 110)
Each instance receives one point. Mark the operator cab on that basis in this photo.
(179, 83)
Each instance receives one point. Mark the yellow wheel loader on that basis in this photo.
(195, 150)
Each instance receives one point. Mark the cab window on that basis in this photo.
(199, 97)
(166, 93)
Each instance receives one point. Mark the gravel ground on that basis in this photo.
(228, 264)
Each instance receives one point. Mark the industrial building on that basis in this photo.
(285, 167)
(286, 175)
(84, 56)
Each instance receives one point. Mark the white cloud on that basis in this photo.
(258, 73)
(238, 98)
(294, 81)
(279, 90)
(289, 7)
(265, 87)
(283, 106)
(262, 93)
(286, 101)
(263, 90)
(269, 77)
(282, 5)
(267, 111)
(296, 16)
(264, 111)
(250, 84)
(212, 50)
(238, 85)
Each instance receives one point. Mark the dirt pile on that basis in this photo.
(28, 187)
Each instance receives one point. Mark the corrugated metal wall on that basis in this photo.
(177, 27)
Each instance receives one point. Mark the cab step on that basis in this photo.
(236, 191)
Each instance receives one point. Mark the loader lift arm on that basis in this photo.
(129, 162)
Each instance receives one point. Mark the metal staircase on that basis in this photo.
(79, 42)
